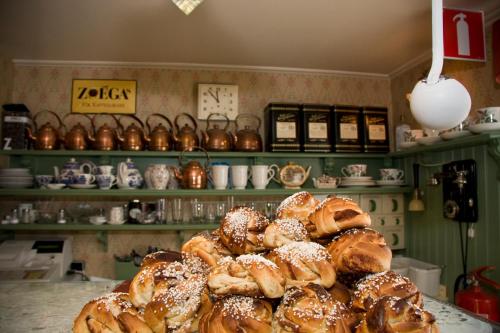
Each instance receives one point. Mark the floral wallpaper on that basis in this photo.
(477, 77)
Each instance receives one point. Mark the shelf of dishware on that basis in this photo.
(107, 227)
(123, 153)
(459, 142)
(97, 193)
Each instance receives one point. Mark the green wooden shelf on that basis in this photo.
(170, 154)
(186, 193)
(107, 227)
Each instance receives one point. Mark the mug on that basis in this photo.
(391, 174)
(219, 176)
(84, 179)
(413, 135)
(490, 114)
(105, 170)
(43, 180)
(239, 176)
(260, 176)
(116, 215)
(354, 170)
(106, 182)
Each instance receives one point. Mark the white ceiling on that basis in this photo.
(370, 36)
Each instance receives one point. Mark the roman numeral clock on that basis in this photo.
(217, 98)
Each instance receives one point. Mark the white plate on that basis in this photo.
(55, 186)
(391, 182)
(82, 186)
(486, 127)
(406, 145)
(428, 140)
(16, 178)
(15, 185)
(15, 172)
(454, 134)
(367, 183)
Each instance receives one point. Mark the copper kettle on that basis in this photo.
(192, 175)
(46, 137)
(105, 137)
(185, 138)
(159, 139)
(247, 139)
(133, 137)
(77, 137)
(216, 139)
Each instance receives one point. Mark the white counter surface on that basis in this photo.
(52, 307)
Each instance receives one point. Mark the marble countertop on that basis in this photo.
(52, 307)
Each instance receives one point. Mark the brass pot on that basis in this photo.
(77, 137)
(159, 139)
(192, 175)
(247, 139)
(105, 137)
(216, 139)
(185, 138)
(46, 137)
(133, 137)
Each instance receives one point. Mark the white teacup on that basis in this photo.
(219, 176)
(490, 114)
(239, 176)
(354, 170)
(431, 132)
(391, 174)
(84, 179)
(105, 170)
(261, 175)
(106, 182)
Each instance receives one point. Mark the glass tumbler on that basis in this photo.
(177, 212)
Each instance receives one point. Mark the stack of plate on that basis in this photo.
(357, 181)
(15, 178)
(389, 183)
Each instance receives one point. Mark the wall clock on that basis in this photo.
(217, 98)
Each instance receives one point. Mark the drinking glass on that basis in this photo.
(210, 212)
(177, 213)
(197, 211)
(220, 210)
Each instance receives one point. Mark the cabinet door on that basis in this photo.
(395, 238)
(394, 221)
(393, 204)
(371, 204)
(378, 223)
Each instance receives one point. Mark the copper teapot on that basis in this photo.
(105, 137)
(159, 139)
(133, 137)
(185, 138)
(77, 137)
(192, 175)
(46, 137)
(215, 138)
(247, 139)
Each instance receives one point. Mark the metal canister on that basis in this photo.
(134, 211)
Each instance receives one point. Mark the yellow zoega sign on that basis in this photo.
(103, 96)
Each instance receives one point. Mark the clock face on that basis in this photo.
(217, 98)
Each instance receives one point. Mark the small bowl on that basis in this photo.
(56, 186)
(97, 219)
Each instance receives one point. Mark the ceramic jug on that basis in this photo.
(128, 176)
(157, 176)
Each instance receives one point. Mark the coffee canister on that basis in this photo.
(16, 118)
(282, 123)
(348, 128)
(315, 128)
(376, 130)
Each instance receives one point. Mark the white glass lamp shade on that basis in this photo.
(441, 105)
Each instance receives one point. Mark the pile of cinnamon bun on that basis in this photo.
(316, 268)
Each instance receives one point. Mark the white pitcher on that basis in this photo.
(157, 176)
(128, 176)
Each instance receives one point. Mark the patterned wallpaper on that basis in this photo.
(477, 77)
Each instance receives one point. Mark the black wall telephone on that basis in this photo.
(460, 191)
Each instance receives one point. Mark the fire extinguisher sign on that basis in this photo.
(463, 34)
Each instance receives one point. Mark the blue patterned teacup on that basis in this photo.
(43, 180)
(106, 182)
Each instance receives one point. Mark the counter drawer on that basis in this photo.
(371, 204)
(393, 204)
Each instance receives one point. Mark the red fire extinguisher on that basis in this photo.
(476, 300)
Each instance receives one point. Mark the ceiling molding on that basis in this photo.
(491, 17)
(410, 64)
(193, 66)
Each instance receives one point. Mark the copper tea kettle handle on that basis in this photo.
(186, 115)
(157, 115)
(219, 115)
(247, 115)
(181, 156)
(63, 125)
(49, 112)
(92, 120)
(134, 117)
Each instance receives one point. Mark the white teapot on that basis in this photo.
(292, 175)
(71, 170)
(128, 176)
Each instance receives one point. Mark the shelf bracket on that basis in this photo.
(494, 151)
(102, 238)
(329, 166)
(388, 162)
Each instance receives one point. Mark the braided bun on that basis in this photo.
(283, 231)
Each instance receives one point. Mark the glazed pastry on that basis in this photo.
(242, 230)
(304, 262)
(298, 206)
(311, 309)
(360, 251)
(249, 275)
(341, 293)
(374, 286)
(335, 214)
(283, 231)
(238, 314)
(155, 278)
(179, 308)
(398, 315)
(112, 313)
(207, 247)
(160, 256)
